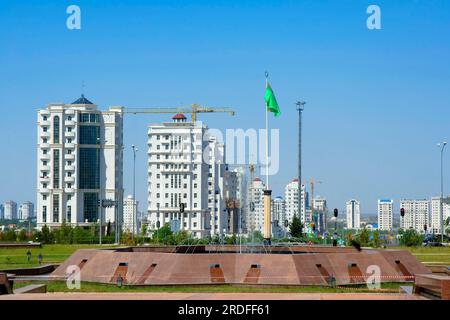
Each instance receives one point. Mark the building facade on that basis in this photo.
(26, 211)
(178, 176)
(130, 215)
(320, 214)
(255, 218)
(385, 214)
(2, 212)
(353, 214)
(416, 215)
(10, 210)
(80, 163)
(435, 217)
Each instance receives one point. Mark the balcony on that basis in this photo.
(70, 145)
(70, 134)
(43, 179)
(69, 168)
(69, 179)
(44, 146)
(69, 123)
(44, 123)
(70, 156)
(69, 190)
(45, 157)
(45, 168)
(45, 134)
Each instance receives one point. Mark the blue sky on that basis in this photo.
(378, 101)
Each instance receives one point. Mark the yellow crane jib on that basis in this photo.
(193, 110)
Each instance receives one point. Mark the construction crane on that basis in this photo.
(193, 110)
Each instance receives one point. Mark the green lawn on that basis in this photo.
(432, 255)
(60, 286)
(55, 253)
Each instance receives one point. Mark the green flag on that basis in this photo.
(271, 101)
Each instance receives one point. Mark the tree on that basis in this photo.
(411, 238)
(363, 238)
(296, 227)
(376, 239)
(46, 236)
(22, 236)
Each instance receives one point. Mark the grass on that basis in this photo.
(430, 255)
(60, 286)
(56, 253)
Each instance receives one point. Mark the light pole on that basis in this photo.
(300, 107)
(135, 150)
(441, 213)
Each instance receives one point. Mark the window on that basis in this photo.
(44, 214)
(89, 165)
(158, 137)
(195, 224)
(44, 118)
(44, 197)
(158, 195)
(69, 197)
(56, 169)
(90, 207)
(89, 135)
(56, 208)
(69, 213)
(195, 205)
(44, 129)
(44, 140)
(44, 163)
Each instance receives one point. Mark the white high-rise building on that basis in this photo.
(10, 212)
(291, 196)
(320, 207)
(435, 219)
(26, 211)
(178, 174)
(416, 214)
(385, 214)
(80, 162)
(255, 218)
(130, 209)
(241, 198)
(216, 186)
(279, 212)
(353, 214)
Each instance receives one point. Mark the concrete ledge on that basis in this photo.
(19, 245)
(433, 285)
(35, 271)
(35, 288)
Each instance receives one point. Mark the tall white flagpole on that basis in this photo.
(267, 140)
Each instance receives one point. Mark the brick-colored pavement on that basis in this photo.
(211, 296)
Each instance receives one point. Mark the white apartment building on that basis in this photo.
(353, 214)
(291, 196)
(178, 174)
(435, 219)
(80, 162)
(279, 212)
(130, 215)
(233, 206)
(26, 211)
(241, 198)
(416, 214)
(216, 186)
(321, 209)
(255, 217)
(385, 214)
(10, 210)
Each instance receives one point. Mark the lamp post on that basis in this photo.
(135, 150)
(335, 213)
(441, 213)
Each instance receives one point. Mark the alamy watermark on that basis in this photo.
(73, 21)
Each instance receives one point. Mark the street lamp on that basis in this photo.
(135, 150)
(335, 213)
(441, 146)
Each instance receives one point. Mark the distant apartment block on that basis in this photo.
(10, 210)
(26, 211)
(416, 214)
(79, 163)
(130, 215)
(435, 217)
(255, 219)
(385, 214)
(353, 210)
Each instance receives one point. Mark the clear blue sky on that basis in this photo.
(378, 101)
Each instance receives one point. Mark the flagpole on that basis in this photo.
(267, 193)
(267, 143)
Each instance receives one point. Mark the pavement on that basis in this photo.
(211, 296)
